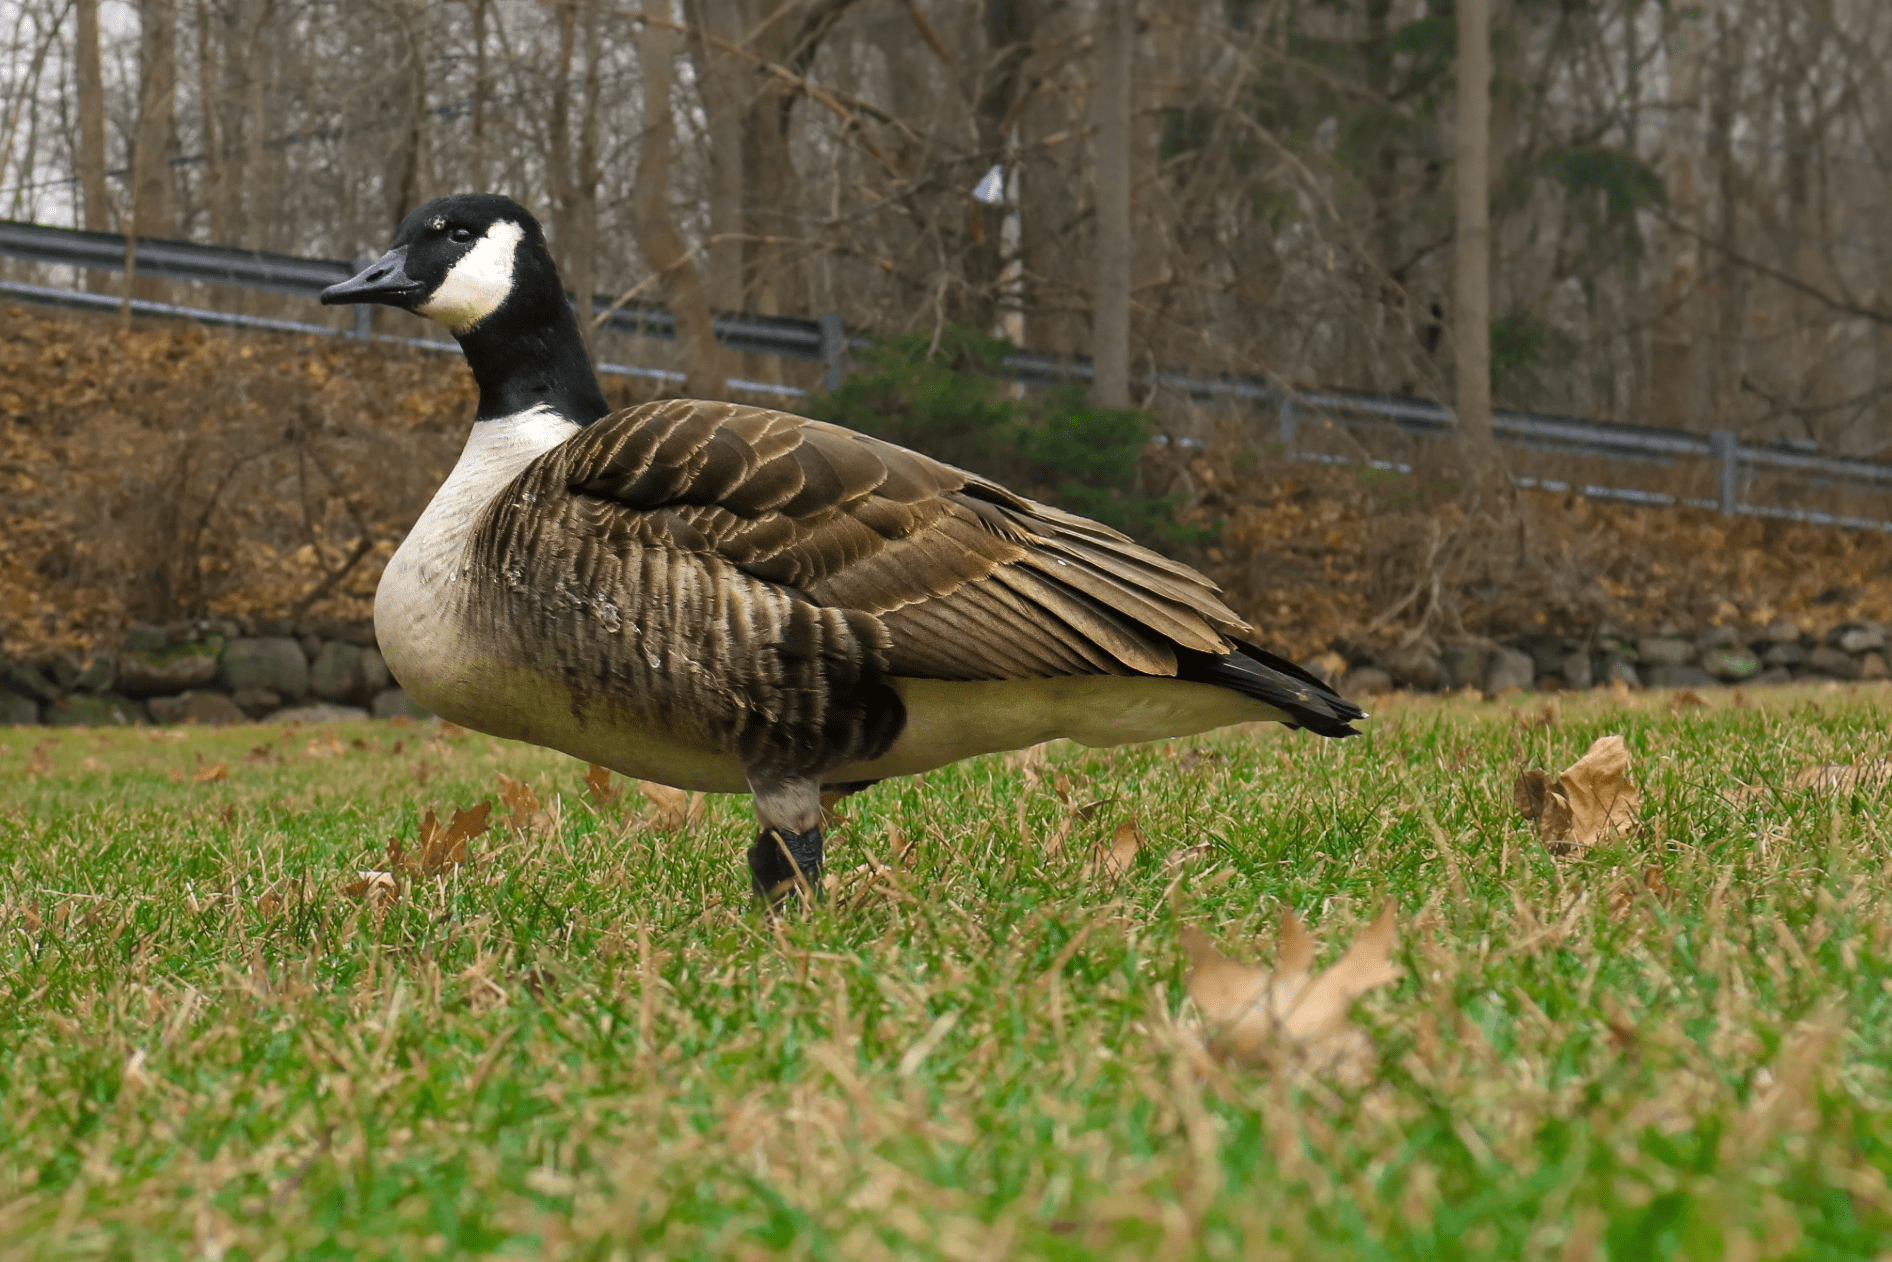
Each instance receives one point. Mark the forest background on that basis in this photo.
(1686, 229)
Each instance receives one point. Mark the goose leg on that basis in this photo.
(787, 853)
(781, 862)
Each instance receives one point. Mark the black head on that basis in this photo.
(458, 260)
(477, 263)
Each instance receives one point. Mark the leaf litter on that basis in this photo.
(1587, 803)
(1288, 1017)
(1116, 859)
(438, 848)
(674, 809)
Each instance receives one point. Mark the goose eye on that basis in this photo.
(460, 235)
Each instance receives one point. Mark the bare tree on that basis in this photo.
(1471, 324)
(1110, 353)
(154, 192)
(663, 245)
(91, 155)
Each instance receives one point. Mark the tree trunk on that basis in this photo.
(1112, 89)
(153, 197)
(774, 283)
(558, 146)
(241, 113)
(477, 160)
(415, 181)
(584, 211)
(1471, 322)
(723, 84)
(98, 204)
(1009, 30)
(657, 236)
(1672, 358)
(208, 99)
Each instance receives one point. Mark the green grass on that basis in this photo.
(583, 1044)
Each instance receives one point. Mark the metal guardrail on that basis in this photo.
(788, 337)
(826, 341)
(1561, 435)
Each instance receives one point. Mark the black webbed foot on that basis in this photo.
(785, 863)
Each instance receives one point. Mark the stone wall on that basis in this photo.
(1782, 652)
(218, 671)
(279, 671)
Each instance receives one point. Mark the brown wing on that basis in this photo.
(971, 581)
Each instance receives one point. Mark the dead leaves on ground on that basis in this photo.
(674, 809)
(1589, 802)
(598, 786)
(1116, 859)
(1289, 1017)
(438, 849)
(1843, 780)
(524, 813)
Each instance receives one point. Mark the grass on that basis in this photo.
(582, 1044)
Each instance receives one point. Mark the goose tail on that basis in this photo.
(1255, 672)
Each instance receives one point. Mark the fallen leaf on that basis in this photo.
(260, 753)
(598, 786)
(90, 763)
(1589, 802)
(175, 775)
(832, 817)
(378, 886)
(444, 847)
(522, 804)
(213, 772)
(1688, 699)
(1125, 845)
(325, 745)
(1623, 894)
(1288, 1017)
(1030, 761)
(450, 730)
(675, 808)
(1547, 716)
(1859, 777)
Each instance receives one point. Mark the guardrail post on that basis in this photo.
(1724, 445)
(834, 351)
(364, 311)
(1286, 424)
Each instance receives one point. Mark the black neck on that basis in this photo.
(530, 358)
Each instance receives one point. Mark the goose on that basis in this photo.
(734, 599)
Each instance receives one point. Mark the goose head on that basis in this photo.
(478, 263)
(459, 260)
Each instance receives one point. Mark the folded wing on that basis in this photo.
(970, 580)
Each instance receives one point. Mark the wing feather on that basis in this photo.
(969, 580)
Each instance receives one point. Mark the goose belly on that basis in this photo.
(485, 674)
(949, 720)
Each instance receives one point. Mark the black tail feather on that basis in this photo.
(1255, 672)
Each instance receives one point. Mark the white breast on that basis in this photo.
(416, 604)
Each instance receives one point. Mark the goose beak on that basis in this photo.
(385, 281)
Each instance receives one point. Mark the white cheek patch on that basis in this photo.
(479, 282)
